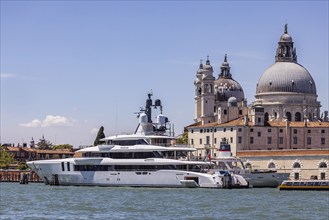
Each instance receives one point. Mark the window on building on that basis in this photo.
(296, 176)
(239, 139)
(225, 112)
(322, 131)
(271, 165)
(295, 140)
(231, 129)
(323, 176)
(215, 130)
(259, 134)
(309, 131)
(192, 141)
(298, 116)
(224, 130)
(309, 140)
(296, 165)
(323, 165)
(231, 140)
(239, 129)
(208, 130)
(215, 140)
(280, 140)
(295, 131)
(269, 130)
(192, 131)
(323, 141)
(251, 140)
(281, 130)
(259, 120)
(240, 112)
(207, 139)
(201, 131)
(269, 140)
(251, 130)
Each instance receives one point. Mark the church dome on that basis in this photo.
(226, 86)
(207, 66)
(285, 38)
(286, 77)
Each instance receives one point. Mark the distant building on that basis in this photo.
(24, 154)
(282, 129)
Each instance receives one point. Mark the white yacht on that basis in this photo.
(140, 159)
(256, 178)
(140, 165)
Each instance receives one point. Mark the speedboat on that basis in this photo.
(256, 178)
(139, 165)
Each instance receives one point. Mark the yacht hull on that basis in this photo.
(265, 179)
(52, 173)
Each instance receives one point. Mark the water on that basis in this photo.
(38, 201)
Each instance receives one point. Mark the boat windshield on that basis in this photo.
(127, 142)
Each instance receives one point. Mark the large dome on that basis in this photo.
(286, 77)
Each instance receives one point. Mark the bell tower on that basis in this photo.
(198, 91)
(207, 94)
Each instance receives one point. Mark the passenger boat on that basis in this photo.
(139, 165)
(256, 178)
(305, 185)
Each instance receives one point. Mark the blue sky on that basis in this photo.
(69, 67)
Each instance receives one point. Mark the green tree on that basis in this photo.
(44, 144)
(62, 147)
(6, 158)
(99, 136)
(183, 139)
(22, 166)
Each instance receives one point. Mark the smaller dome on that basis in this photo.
(207, 66)
(200, 70)
(285, 38)
(232, 100)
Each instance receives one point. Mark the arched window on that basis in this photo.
(288, 114)
(323, 165)
(298, 116)
(296, 165)
(271, 165)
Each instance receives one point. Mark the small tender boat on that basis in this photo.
(256, 178)
(304, 185)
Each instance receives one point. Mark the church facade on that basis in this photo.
(282, 129)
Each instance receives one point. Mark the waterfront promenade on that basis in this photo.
(16, 176)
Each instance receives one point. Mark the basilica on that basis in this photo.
(282, 129)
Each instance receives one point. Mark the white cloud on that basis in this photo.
(50, 121)
(7, 75)
(94, 131)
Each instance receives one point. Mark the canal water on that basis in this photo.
(39, 201)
